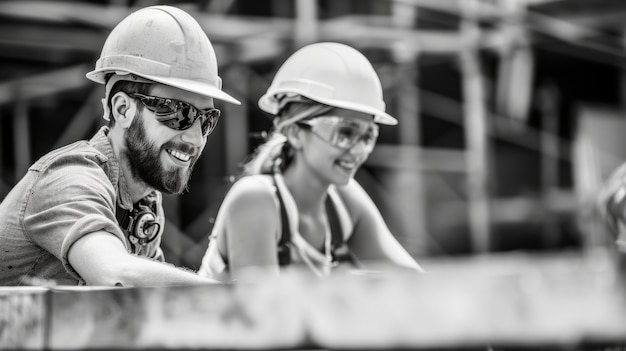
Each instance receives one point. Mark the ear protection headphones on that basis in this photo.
(140, 224)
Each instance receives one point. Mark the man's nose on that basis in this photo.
(194, 135)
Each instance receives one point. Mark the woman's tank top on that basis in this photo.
(291, 246)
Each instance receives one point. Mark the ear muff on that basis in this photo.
(140, 224)
(145, 225)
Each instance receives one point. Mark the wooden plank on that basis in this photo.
(560, 301)
(218, 26)
(378, 32)
(53, 39)
(415, 158)
(450, 110)
(306, 28)
(484, 304)
(21, 138)
(61, 12)
(406, 186)
(549, 100)
(89, 114)
(477, 143)
(484, 9)
(23, 318)
(235, 124)
(44, 84)
(529, 209)
(204, 317)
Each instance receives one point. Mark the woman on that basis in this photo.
(297, 201)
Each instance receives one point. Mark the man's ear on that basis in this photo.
(123, 109)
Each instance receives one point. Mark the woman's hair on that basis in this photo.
(276, 153)
(127, 87)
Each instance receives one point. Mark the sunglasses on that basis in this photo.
(343, 133)
(179, 115)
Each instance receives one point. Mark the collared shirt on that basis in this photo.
(66, 194)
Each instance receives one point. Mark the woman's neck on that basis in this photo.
(307, 191)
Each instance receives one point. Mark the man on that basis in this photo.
(90, 213)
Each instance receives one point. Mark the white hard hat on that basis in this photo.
(162, 44)
(333, 74)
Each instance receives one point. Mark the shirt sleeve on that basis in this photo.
(71, 198)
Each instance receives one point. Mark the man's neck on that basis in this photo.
(137, 189)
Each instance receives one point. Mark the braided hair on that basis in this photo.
(276, 154)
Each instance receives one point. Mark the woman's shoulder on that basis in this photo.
(257, 188)
(352, 192)
(254, 182)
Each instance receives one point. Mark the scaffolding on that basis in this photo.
(486, 109)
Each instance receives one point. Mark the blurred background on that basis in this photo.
(510, 111)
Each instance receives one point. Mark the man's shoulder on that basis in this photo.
(75, 165)
(77, 153)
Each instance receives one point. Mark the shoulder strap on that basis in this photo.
(345, 220)
(284, 254)
(339, 246)
(333, 220)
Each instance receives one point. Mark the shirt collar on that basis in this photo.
(101, 142)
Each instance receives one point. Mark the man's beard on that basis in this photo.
(143, 157)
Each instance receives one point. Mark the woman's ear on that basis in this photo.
(123, 109)
(294, 136)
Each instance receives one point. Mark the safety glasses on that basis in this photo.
(178, 114)
(343, 133)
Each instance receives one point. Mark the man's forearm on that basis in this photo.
(147, 272)
(101, 259)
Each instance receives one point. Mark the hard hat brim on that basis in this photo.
(201, 88)
(194, 86)
(268, 103)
